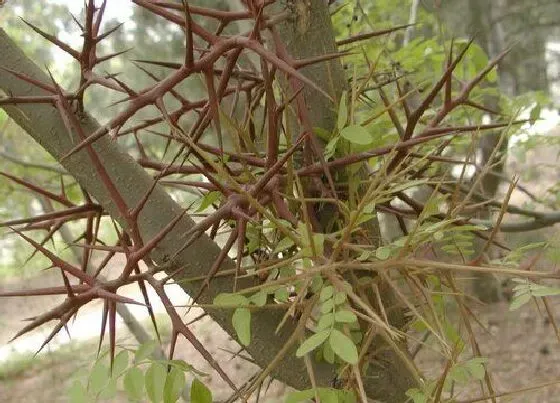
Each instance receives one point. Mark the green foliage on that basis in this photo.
(142, 378)
(343, 346)
(516, 255)
(209, 199)
(154, 380)
(144, 351)
(241, 318)
(200, 393)
(313, 342)
(357, 135)
(461, 372)
(335, 315)
(133, 383)
(525, 290)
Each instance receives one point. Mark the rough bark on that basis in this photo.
(311, 34)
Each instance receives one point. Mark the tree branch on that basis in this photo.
(45, 125)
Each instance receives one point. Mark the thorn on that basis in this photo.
(53, 39)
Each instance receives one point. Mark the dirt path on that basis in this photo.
(54, 368)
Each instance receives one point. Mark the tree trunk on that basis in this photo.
(308, 35)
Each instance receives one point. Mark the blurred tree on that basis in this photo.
(526, 26)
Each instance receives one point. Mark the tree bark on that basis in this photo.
(308, 35)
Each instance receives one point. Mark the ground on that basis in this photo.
(30, 380)
(521, 345)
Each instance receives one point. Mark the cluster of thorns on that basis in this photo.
(215, 57)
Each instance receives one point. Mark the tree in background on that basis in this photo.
(292, 161)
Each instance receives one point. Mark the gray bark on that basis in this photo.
(308, 35)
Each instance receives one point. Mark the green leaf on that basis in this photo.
(535, 113)
(346, 396)
(200, 393)
(319, 243)
(77, 393)
(369, 208)
(460, 374)
(323, 134)
(183, 366)
(327, 395)
(357, 135)
(519, 300)
(330, 148)
(476, 367)
(432, 206)
(342, 112)
(356, 337)
(241, 320)
(438, 235)
(230, 300)
(478, 56)
(109, 391)
(316, 283)
(364, 218)
(259, 299)
(544, 291)
(521, 289)
(99, 377)
(383, 253)
(365, 255)
(281, 294)
(326, 293)
(208, 199)
(284, 244)
(328, 353)
(300, 396)
(120, 363)
(144, 351)
(417, 395)
(345, 317)
(399, 187)
(343, 347)
(339, 298)
(325, 321)
(155, 381)
(174, 384)
(134, 383)
(327, 306)
(312, 342)
(553, 254)
(287, 271)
